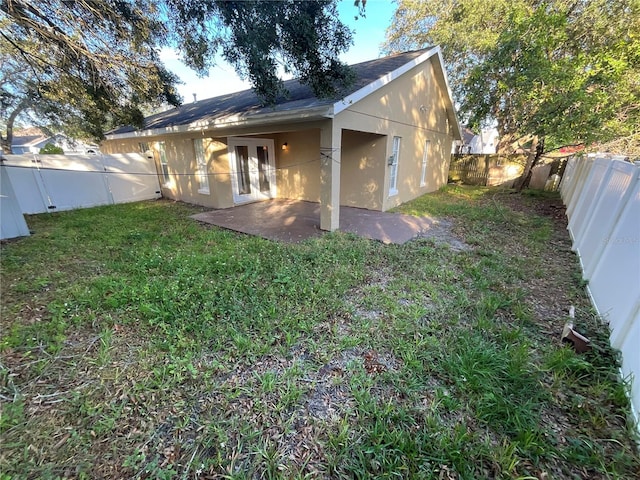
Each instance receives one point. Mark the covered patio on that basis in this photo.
(295, 220)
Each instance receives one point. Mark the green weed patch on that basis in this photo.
(137, 343)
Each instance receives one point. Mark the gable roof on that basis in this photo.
(300, 103)
(467, 135)
(28, 140)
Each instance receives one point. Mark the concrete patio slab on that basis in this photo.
(295, 220)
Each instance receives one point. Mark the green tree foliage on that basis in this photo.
(50, 148)
(86, 65)
(302, 37)
(565, 71)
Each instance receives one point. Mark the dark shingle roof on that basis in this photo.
(247, 102)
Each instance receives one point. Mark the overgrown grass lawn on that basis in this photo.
(137, 343)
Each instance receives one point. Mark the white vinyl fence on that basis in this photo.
(53, 183)
(602, 196)
(12, 222)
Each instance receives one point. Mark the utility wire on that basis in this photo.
(395, 121)
(177, 174)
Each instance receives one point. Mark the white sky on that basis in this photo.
(368, 37)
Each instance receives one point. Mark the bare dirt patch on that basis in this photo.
(442, 233)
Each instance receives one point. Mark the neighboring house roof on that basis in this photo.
(245, 106)
(467, 135)
(28, 140)
(37, 139)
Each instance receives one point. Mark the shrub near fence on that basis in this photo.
(602, 196)
(489, 170)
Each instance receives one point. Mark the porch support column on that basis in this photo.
(330, 145)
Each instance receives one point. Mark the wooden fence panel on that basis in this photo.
(489, 170)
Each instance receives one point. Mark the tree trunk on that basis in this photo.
(8, 139)
(535, 153)
(4, 145)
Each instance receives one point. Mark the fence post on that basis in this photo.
(42, 187)
(105, 179)
(567, 178)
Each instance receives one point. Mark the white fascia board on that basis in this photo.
(291, 116)
(358, 95)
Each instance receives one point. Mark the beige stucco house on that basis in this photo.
(385, 141)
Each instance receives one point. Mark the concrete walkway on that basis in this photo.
(295, 220)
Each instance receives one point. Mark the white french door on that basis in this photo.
(252, 165)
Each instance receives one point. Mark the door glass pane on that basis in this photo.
(242, 169)
(263, 168)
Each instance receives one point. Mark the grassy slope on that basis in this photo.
(136, 342)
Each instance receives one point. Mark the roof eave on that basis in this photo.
(299, 115)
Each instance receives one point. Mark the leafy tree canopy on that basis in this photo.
(86, 65)
(562, 70)
(50, 148)
(81, 64)
(302, 37)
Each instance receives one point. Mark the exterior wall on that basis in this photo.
(127, 145)
(25, 149)
(298, 167)
(182, 167)
(181, 159)
(485, 142)
(219, 175)
(362, 170)
(412, 107)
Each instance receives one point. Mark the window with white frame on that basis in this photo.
(162, 153)
(201, 167)
(425, 159)
(393, 174)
